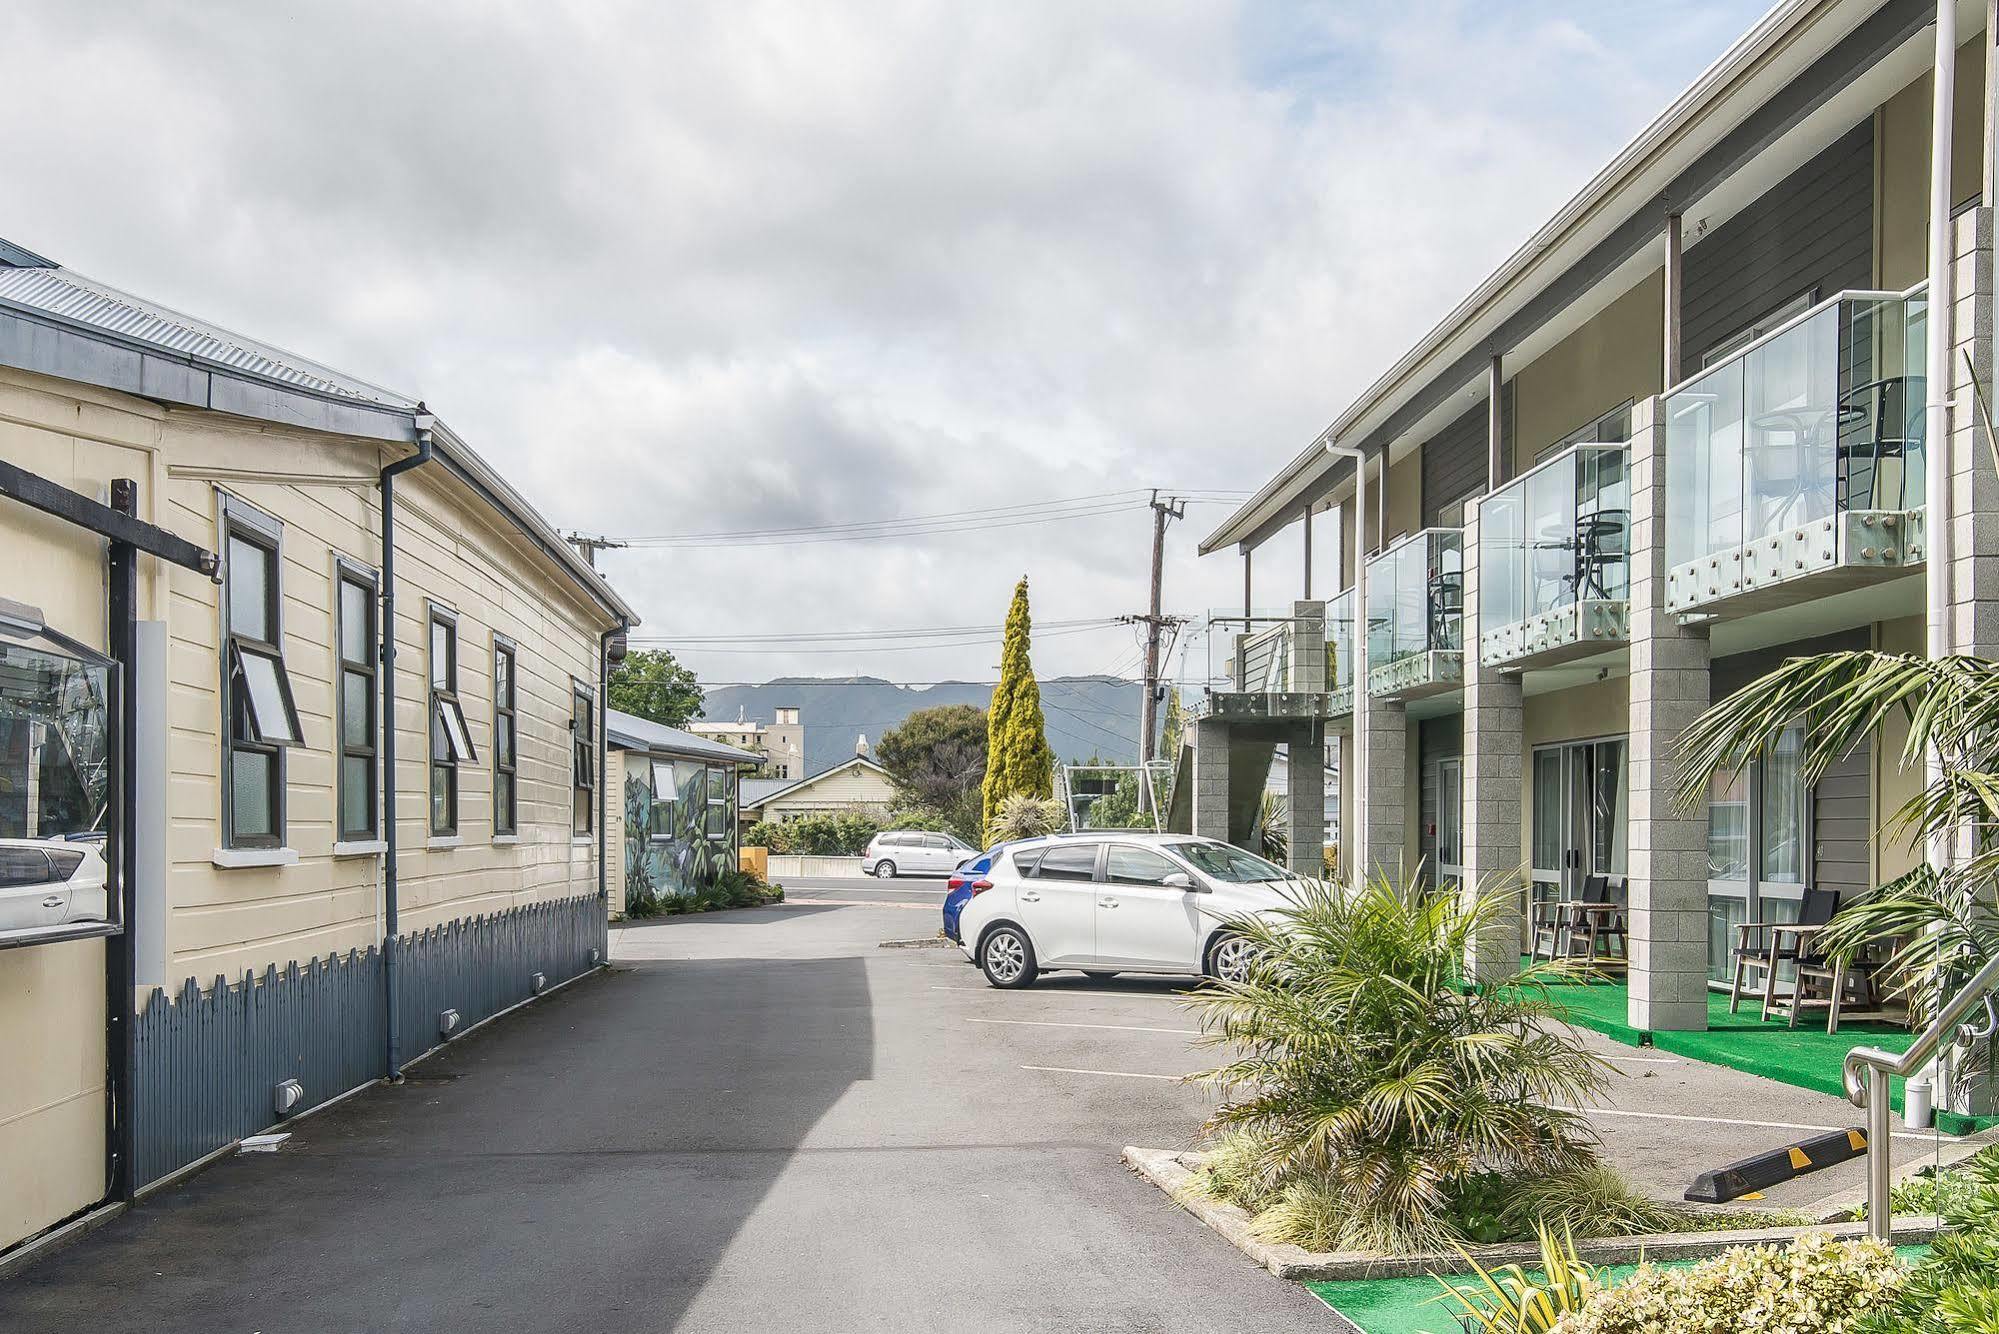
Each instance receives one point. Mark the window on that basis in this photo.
(1231, 864)
(356, 700)
(665, 789)
(506, 741)
(1068, 861)
(450, 741)
(1611, 428)
(721, 795)
(261, 720)
(1769, 323)
(582, 759)
(1138, 866)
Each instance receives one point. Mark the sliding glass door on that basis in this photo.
(1759, 842)
(1581, 816)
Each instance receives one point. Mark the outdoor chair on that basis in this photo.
(1585, 928)
(1764, 948)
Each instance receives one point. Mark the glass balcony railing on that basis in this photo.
(1341, 645)
(1778, 445)
(1415, 606)
(1553, 549)
(1266, 664)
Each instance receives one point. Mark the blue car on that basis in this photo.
(966, 881)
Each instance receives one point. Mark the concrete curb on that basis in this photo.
(921, 943)
(1170, 1170)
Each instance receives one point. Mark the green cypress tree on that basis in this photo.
(1018, 759)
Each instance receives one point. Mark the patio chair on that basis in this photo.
(1596, 923)
(1763, 948)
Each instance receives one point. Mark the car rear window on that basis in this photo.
(66, 861)
(23, 866)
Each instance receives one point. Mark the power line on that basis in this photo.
(907, 632)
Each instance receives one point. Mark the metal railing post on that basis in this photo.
(1880, 1167)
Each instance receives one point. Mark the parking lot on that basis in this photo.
(763, 1119)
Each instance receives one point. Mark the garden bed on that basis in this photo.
(1172, 1171)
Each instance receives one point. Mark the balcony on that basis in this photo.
(1266, 664)
(1415, 602)
(1554, 574)
(1795, 468)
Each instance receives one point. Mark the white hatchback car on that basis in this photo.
(914, 852)
(1117, 903)
(50, 882)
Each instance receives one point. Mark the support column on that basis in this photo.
(1385, 772)
(1305, 788)
(1496, 462)
(1675, 280)
(1308, 549)
(1211, 778)
(1494, 773)
(1669, 690)
(1973, 625)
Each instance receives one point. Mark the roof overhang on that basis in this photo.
(1796, 59)
(45, 343)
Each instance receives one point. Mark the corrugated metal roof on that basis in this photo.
(72, 296)
(631, 732)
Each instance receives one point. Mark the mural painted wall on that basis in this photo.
(680, 826)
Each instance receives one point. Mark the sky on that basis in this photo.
(729, 266)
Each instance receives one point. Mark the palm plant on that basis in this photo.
(1944, 920)
(1273, 834)
(1375, 1079)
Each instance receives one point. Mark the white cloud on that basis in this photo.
(719, 265)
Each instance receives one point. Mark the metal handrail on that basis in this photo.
(1867, 1071)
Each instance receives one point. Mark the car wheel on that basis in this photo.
(1229, 959)
(1007, 957)
(884, 870)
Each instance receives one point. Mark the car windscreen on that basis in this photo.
(1223, 862)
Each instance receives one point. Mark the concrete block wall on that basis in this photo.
(1494, 762)
(1667, 884)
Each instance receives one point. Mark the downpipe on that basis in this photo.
(422, 423)
(1358, 872)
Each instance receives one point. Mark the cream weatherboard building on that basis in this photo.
(271, 872)
(1717, 411)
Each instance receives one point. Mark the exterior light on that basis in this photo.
(447, 1023)
(286, 1096)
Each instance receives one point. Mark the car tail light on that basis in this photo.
(955, 882)
(980, 886)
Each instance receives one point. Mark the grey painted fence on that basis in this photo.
(208, 1063)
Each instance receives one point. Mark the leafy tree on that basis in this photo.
(1119, 808)
(650, 684)
(937, 758)
(830, 834)
(1018, 759)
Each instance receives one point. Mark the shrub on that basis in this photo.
(1024, 816)
(833, 834)
(643, 904)
(1372, 1074)
(1509, 1300)
(1955, 1290)
(1816, 1285)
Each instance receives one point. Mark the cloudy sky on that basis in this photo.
(716, 266)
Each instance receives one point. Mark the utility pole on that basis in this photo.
(588, 546)
(1163, 511)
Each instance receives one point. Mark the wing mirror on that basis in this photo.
(1179, 880)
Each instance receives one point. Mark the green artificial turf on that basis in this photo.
(1411, 1305)
(1805, 1057)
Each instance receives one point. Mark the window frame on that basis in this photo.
(582, 759)
(507, 762)
(445, 709)
(1172, 865)
(238, 519)
(1095, 876)
(352, 573)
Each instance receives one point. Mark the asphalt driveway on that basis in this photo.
(757, 1121)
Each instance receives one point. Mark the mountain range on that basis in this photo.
(1087, 715)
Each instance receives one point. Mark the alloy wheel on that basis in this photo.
(1005, 959)
(1232, 959)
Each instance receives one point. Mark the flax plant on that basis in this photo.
(1373, 1078)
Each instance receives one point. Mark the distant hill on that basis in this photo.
(1087, 715)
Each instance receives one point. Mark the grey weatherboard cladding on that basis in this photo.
(1813, 232)
(208, 1063)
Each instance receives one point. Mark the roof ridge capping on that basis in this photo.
(1779, 27)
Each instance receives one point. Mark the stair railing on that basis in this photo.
(1868, 1070)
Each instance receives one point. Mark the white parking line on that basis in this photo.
(1114, 1028)
(1070, 991)
(1109, 1074)
(1725, 1121)
(1641, 1060)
